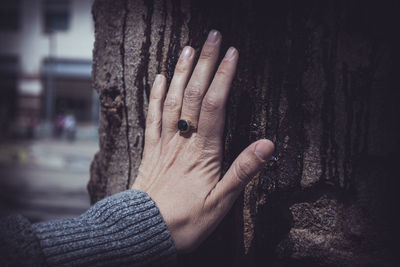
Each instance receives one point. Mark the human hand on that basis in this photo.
(181, 172)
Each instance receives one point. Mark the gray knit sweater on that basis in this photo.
(124, 229)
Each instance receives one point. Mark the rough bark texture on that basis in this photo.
(318, 78)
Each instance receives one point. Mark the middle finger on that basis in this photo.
(201, 77)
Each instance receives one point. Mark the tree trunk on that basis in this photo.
(317, 79)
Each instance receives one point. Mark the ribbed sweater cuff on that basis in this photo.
(124, 229)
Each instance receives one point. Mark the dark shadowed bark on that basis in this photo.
(319, 79)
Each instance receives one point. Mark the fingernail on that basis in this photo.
(230, 54)
(264, 150)
(186, 52)
(213, 37)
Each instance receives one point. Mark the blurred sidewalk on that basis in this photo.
(45, 179)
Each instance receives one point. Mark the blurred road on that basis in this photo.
(45, 179)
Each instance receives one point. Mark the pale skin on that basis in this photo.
(182, 172)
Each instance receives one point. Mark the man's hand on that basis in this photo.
(181, 172)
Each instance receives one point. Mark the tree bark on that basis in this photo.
(318, 79)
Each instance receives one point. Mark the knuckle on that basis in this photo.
(210, 103)
(181, 67)
(171, 103)
(243, 171)
(223, 71)
(193, 92)
(155, 97)
(157, 124)
(207, 53)
(152, 119)
(198, 145)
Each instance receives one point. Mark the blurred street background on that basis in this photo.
(48, 107)
(45, 179)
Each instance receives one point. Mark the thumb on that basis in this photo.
(243, 169)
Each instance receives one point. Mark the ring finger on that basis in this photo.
(173, 102)
(201, 77)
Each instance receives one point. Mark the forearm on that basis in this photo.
(126, 228)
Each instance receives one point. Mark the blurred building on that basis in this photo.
(45, 62)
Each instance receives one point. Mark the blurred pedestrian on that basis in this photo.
(70, 127)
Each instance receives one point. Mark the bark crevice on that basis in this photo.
(127, 125)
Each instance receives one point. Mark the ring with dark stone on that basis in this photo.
(185, 126)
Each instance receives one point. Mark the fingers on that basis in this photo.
(246, 165)
(173, 101)
(201, 77)
(212, 114)
(154, 113)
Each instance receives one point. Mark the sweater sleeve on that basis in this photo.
(18, 243)
(124, 229)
